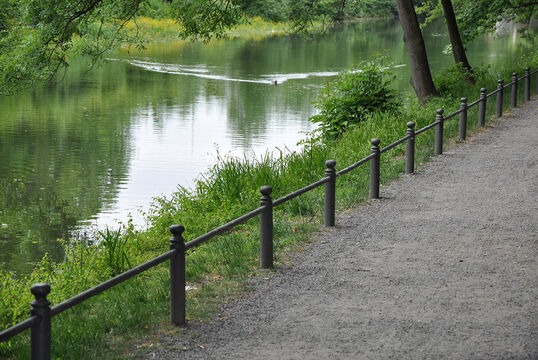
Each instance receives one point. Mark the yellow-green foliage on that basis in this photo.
(80, 270)
(154, 30)
(159, 30)
(256, 28)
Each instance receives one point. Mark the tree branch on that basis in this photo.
(80, 13)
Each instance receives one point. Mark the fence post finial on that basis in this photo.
(410, 148)
(40, 342)
(439, 132)
(513, 102)
(463, 119)
(374, 169)
(330, 193)
(177, 276)
(482, 108)
(266, 228)
(500, 90)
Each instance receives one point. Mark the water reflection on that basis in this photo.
(61, 161)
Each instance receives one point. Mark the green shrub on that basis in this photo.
(448, 81)
(354, 96)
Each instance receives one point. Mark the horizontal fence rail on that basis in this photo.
(41, 312)
(17, 329)
(426, 128)
(96, 290)
(394, 144)
(445, 118)
(221, 229)
(354, 166)
(474, 103)
(300, 192)
(493, 92)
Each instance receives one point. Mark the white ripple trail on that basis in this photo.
(202, 71)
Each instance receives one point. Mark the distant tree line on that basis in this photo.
(283, 10)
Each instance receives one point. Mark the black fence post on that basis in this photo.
(463, 119)
(177, 276)
(330, 193)
(500, 90)
(527, 84)
(513, 103)
(482, 108)
(266, 228)
(410, 149)
(439, 132)
(40, 342)
(374, 169)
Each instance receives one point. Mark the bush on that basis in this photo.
(354, 96)
(451, 81)
(448, 81)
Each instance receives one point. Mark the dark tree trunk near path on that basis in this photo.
(421, 77)
(455, 39)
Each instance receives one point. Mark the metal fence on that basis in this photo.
(41, 312)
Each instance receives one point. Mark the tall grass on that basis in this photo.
(113, 246)
(117, 322)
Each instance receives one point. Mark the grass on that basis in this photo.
(120, 321)
(152, 30)
(113, 246)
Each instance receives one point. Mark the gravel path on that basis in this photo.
(444, 266)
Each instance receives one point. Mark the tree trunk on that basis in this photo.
(455, 39)
(421, 77)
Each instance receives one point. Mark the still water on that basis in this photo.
(97, 144)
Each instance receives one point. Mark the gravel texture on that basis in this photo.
(443, 266)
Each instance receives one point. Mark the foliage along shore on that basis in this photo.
(158, 20)
(219, 268)
(151, 30)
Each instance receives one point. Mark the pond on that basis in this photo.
(97, 144)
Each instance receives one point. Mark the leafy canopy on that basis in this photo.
(37, 37)
(478, 17)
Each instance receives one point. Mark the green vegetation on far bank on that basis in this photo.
(156, 20)
(152, 30)
(219, 268)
